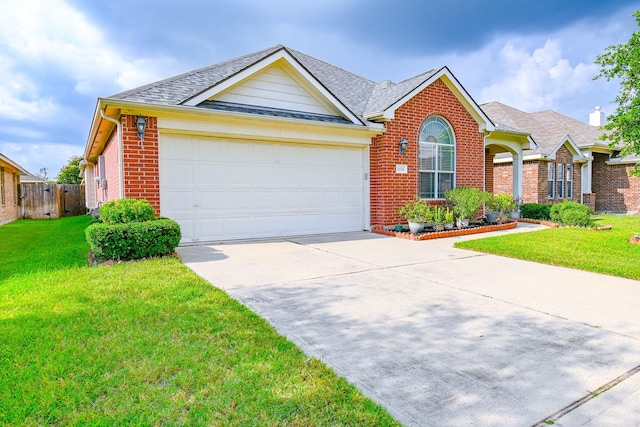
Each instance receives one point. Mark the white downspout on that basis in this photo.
(120, 152)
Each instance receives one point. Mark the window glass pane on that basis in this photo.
(445, 183)
(436, 130)
(427, 156)
(427, 185)
(446, 157)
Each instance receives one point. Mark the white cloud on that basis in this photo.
(537, 80)
(50, 38)
(34, 156)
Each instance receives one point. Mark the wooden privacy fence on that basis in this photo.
(52, 200)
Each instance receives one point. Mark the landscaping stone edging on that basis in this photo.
(445, 233)
(555, 225)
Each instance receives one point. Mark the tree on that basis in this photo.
(70, 174)
(622, 62)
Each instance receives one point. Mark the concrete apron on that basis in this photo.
(441, 336)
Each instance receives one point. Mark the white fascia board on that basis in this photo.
(524, 158)
(484, 123)
(13, 164)
(261, 65)
(622, 161)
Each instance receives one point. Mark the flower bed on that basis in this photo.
(555, 225)
(446, 233)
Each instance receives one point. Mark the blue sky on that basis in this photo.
(58, 56)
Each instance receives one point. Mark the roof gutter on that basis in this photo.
(120, 151)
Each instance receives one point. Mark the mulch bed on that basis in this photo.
(446, 233)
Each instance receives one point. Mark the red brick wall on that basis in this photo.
(615, 190)
(534, 178)
(563, 155)
(9, 210)
(502, 178)
(141, 176)
(141, 173)
(388, 189)
(488, 171)
(111, 173)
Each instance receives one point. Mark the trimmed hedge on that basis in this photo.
(571, 213)
(122, 211)
(134, 240)
(535, 211)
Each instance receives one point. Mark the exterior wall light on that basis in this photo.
(141, 126)
(403, 145)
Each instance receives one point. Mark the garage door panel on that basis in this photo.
(180, 201)
(207, 173)
(231, 189)
(181, 148)
(265, 175)
(237, 152)
(179, 172)
(211, 201)
(208, 149)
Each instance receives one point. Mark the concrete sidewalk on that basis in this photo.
(441, 336)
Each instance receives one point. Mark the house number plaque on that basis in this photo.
(402, 169)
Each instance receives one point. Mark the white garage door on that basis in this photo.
(221, 190)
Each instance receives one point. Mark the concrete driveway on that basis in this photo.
(442, 336)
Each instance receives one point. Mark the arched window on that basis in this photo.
(437, 158)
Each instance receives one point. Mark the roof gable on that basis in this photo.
(549, 129)
(277, 81)
(388, 97)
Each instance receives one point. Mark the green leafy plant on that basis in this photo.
(439, 214)
(134, 240)
(466, 201)
(535, 211)
(448, 217)
(570, 213)
(417, 210)
(500, 203)
(123, 211)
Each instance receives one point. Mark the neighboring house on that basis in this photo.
(10, 173)
(279, 143)
(31, 179)
(570, 161)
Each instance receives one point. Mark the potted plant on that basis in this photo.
(515, 213)
(438, 218)
(497, 205)
(417, 213)
(466, 202)
(448, 219)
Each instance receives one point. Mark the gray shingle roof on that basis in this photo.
(358, 94)
(547, 128)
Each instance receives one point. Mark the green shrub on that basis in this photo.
(134, 240)
(466, 201)
(500, 203)
(123, 211)
(416, 210)
(571, 213)
(535, 211)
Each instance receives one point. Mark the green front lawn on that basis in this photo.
(145, 343)
(600, 251)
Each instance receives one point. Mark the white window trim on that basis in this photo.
(569, 181)
(551, 182)
(560, 192)
(436, 170)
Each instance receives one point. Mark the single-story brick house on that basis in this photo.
(568, 162)
(10, 173)
(279, 143)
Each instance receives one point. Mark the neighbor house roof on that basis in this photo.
(548, 129)
(13, 164)
(361, 96)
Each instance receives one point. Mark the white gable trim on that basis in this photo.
(456, 88)
(281, 54)
(571, 145)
